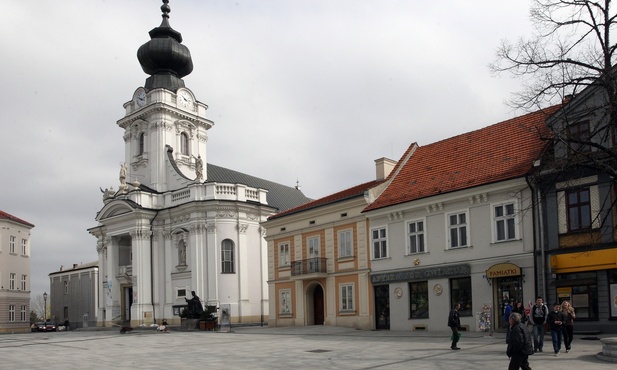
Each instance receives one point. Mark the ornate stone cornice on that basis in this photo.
(140, 234)
(211, 228)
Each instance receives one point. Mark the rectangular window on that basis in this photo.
(11, 312)
(24, 247)
(415, 235)
(227, 257)
(285, 302)
(181, 292)
(578, 137)
(345, 247)
(581, 289)
(11, 244)
(24, 282)
(505, 222)
(579, 209)
(458, 230)
(66, 287)
(347, 297)
(11, 281)
(418, 299)
(314, 263)
(284, 254)
(379, 243)
(460, 292)
(22, 314)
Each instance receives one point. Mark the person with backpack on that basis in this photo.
(538, 314)
(454, 322)
(519, 344)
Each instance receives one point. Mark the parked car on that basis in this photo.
(47, 326)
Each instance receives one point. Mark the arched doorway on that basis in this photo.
(315, 313)
(318, 306)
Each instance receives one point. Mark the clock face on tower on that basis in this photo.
(140, 99)
(185, 99)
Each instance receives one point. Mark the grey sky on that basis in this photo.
(313, 90)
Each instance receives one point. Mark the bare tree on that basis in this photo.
(37, 305)
(570, 50)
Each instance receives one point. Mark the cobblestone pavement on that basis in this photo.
(317, 347)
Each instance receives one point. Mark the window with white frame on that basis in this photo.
(141, 145)
(11, 312)
(284, 254)
(66, 287)
(24, 247)
(505, 222)
(22, 313)
(227, 256)
(24, 282)
(345, 243)
(415, 236)
(12, 281)
(181, 292)
(11, 244)
(285, 301)
(314, 251)
(347, 297)
(378, 240)
(457, 225)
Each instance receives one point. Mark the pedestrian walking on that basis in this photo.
(454, 322)
(507, 310)
(538, 314)
(555, 321)
(568, 325)
(519, 345)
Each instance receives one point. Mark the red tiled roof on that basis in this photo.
(7, 216)
(499, 152)
(352, 192)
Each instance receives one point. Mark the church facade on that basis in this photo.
(177, 224)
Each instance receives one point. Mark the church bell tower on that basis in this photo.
(165, 127)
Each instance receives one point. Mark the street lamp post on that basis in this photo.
(45, 306)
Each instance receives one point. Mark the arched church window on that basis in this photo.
(184, 143)
(181, 253)
(141, 143)
(227, 256)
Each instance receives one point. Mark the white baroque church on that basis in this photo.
(176, 223)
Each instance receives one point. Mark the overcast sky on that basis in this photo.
(307, 90)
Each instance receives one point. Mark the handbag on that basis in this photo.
(452, 336)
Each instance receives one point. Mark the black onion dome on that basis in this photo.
(164, 58)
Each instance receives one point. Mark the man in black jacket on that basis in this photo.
(454, 322)
(519, 344)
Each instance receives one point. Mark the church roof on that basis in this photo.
(280, 196)
(10, 217)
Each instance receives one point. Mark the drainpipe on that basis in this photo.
(536, 201)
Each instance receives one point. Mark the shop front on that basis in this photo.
(589, 281)
(507, 282)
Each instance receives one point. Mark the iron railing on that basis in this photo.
(308, 266)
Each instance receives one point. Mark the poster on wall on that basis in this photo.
(613, 291)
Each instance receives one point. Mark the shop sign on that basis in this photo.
(503, 270)
(421, 274)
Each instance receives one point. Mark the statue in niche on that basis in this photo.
(182, 254)
(194, 306)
